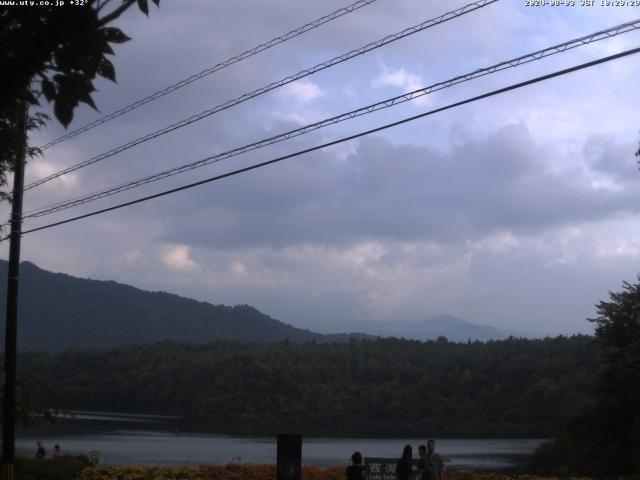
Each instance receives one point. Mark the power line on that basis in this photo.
(341, 140)
(303, 73)
(230, 61)
(584, 40)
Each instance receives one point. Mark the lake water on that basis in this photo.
(138, 440)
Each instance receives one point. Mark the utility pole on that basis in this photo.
(11, 327)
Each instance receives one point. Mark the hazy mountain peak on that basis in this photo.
(444, 321)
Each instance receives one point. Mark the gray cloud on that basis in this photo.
(402, 193)
(519, 212)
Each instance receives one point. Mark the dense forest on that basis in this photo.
(387, 387)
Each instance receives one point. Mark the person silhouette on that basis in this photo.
(405, 464)
(40, 452)
(356, 470)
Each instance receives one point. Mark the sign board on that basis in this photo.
(289, 457)
(378, 468)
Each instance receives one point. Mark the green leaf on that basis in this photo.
(97, 44)
(85, 97)
(48, 89)
(78, 88)
(106, 70)
(72, 89)
(144, 7)
(105, 47)
(114, 35)
(63, 111)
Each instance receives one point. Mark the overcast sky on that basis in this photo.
(520, 211)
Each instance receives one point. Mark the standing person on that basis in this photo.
(40, 453)
(425, 472)
(404, 465)
(356, 470)
(56, 451)
(434, 461)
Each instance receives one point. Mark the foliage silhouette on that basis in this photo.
(55, 53)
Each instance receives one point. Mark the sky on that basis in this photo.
(519, 211)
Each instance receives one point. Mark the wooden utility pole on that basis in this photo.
(11, 326)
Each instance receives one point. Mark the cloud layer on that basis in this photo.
(519, 212)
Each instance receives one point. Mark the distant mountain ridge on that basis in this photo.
(453, 328)
(58, 311)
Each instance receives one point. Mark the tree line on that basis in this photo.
(602, 437)
(387, 387)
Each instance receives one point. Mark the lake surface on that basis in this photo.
(139, 440)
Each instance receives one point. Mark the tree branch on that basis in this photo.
(102, 4)
(115, 13)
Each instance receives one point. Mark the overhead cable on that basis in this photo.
(341, 140)
(562, 47)
(272, 86)
(208, 71)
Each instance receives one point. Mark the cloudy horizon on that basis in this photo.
(516, 212)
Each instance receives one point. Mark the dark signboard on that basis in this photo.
(289, 456)
(379, 468)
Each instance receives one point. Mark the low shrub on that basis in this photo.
(66, 467)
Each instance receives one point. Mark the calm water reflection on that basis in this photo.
(145, 446)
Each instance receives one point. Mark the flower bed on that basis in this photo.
(254, 472)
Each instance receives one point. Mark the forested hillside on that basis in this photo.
(509, 388)
(58, 311)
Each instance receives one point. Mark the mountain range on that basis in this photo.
(58, 311)
(453, 328)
